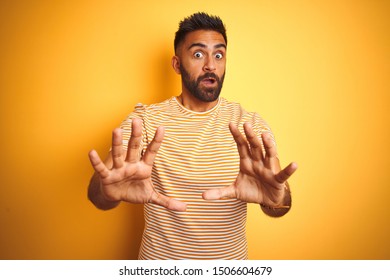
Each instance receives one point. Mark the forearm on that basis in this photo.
(279, 211)
(96, 196)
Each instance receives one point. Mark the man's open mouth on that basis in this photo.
(209, 81)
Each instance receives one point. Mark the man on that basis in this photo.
(189, 162)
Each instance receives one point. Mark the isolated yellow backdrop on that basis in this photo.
(317, 71)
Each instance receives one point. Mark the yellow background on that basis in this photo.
(317, 71)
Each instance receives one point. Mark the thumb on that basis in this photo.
(220, 193)
(169, 203)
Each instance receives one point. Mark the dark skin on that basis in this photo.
(127, 177)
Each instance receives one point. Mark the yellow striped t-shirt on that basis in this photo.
(197, 153)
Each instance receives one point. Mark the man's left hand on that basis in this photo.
(260, 179)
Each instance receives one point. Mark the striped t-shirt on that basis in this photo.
(198, 153)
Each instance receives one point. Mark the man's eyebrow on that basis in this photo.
(203, 46)
(220, 46)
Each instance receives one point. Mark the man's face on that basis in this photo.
(202, 64)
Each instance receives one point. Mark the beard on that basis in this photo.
(193, 86)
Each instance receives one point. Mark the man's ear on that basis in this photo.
(176, 64)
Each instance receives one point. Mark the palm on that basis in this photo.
(129, 178)
(130, 183)
(260, 179)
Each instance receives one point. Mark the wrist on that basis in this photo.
(278, 210)
(274, 207)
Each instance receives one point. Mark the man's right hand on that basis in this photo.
(128, 178)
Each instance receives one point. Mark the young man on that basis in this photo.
(189, 162)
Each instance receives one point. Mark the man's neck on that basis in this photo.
(192, 103)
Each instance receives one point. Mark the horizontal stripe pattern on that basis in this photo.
(198, 153)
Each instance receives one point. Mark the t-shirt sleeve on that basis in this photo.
(138, 113)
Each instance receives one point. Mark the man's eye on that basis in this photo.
(198, 55)
(218, 56)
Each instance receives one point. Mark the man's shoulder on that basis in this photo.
(162, 105)
(236, 107)
(158, 106)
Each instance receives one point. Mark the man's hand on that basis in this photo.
(260, 179)
(128, 178)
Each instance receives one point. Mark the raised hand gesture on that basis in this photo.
(260, 179)
(128, 177)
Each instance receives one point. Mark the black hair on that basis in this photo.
(199, 21)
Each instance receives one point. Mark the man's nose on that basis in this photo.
(209, 65)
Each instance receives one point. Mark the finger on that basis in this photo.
(254, 142)
(220, 193)
(117, 150)
(133, 148)
(167, 202)
(98, 164)
(153, 147)
(286, 173)
(269, 145)
(242, 144)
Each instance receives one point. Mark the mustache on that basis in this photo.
(208, 76)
